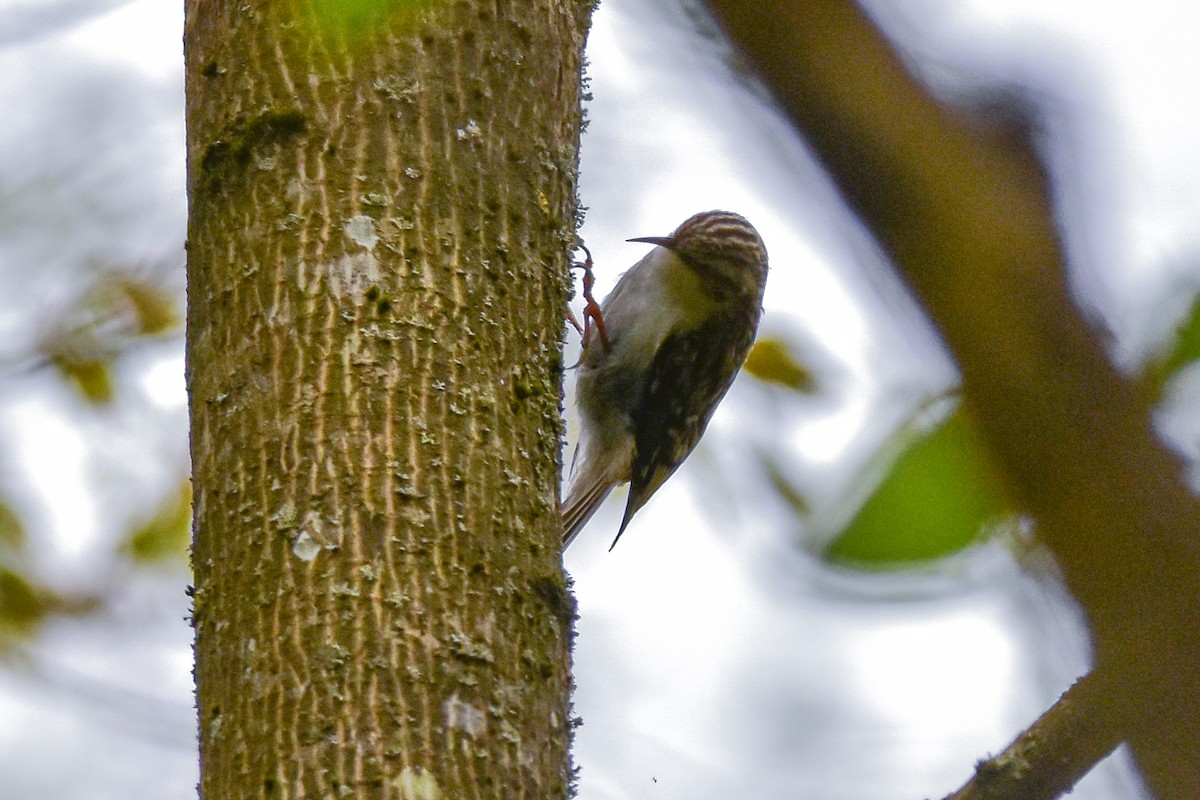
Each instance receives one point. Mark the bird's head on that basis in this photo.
(725, 251)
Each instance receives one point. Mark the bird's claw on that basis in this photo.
(592, 318)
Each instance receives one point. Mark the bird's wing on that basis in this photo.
(690, 374)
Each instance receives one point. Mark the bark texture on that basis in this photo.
(382, 203)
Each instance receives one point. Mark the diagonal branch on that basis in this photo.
(965, 214)
(1052, 754)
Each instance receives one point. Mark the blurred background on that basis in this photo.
(774, 624)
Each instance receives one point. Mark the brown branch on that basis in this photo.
(1051, 755)
(965, 214)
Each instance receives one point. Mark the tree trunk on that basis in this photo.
(382, 203)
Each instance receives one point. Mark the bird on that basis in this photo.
(674, 332)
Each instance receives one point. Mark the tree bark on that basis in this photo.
(382, 204)
(965, 214)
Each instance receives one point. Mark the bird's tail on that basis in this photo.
(581, 505)
(601, 469)
(603, 465)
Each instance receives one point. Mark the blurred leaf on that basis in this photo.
(1185, 349)
(166, 534)
(103, 324)
(154, 308)
(770, 362)
(12, 532)
(22, 605)
(25, 605)
(940, 495)
(783, 487)
(92, 378)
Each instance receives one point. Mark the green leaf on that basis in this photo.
(23, 605)
(166, 534)
(12, 532)
(1184, 350)
(771, 362)
(93, 379)
(153, 308)
(940, 495)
